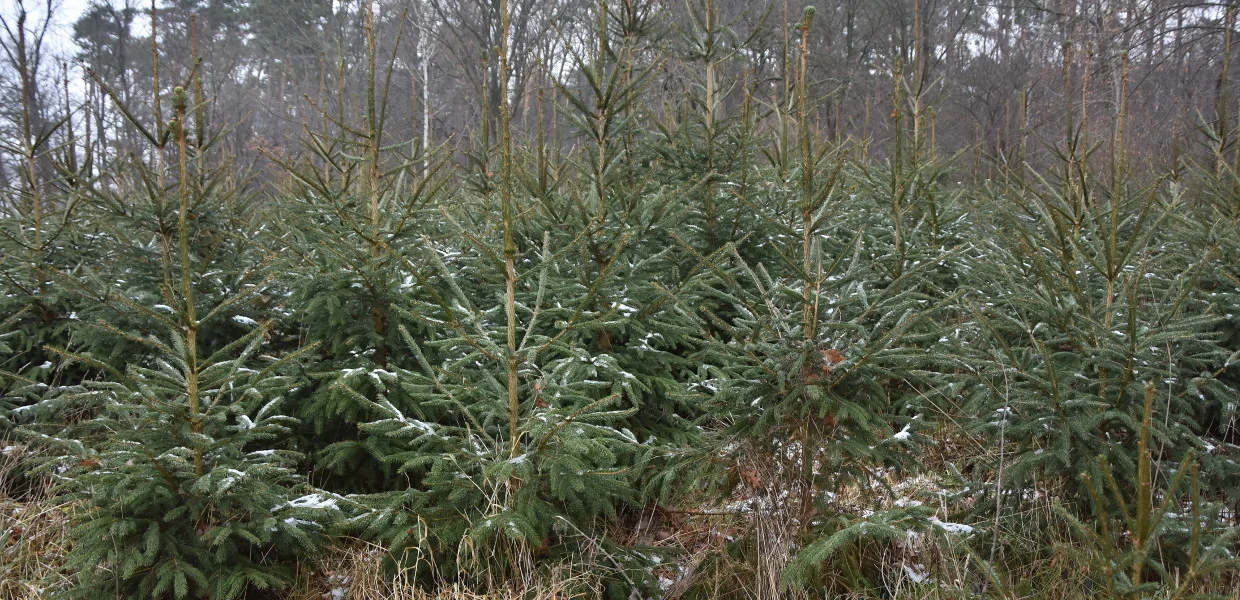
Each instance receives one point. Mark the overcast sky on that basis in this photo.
(64, 13)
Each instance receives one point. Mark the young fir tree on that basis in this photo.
(622, 210)
(1138, 544)
(703, 144)
(346, 281)
(355, 212)
(823, 370)
(39, 236)
(1084, 295)
(531, 379)
(1210, 228)
(173, 449)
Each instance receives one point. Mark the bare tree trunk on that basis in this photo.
(426, 51)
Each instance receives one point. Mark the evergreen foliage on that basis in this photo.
(172, 454)
(185, 495)
(491, 361)
(1103, 302)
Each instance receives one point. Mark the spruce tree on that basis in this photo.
(531, 377)
(1083, 301)
(826, 354)
(173, 448)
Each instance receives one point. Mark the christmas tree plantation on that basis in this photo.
(691, 350)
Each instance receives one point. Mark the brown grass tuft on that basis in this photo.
(354, 570)
(33, 534)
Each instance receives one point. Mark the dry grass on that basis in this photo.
(33, 533)
(354, 570)
(1039, 557)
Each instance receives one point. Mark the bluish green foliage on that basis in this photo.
(178, 503)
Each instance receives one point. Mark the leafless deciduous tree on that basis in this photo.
(982, 75)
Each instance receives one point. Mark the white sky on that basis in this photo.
(64, 13)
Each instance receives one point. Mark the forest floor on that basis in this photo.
(34, 529)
